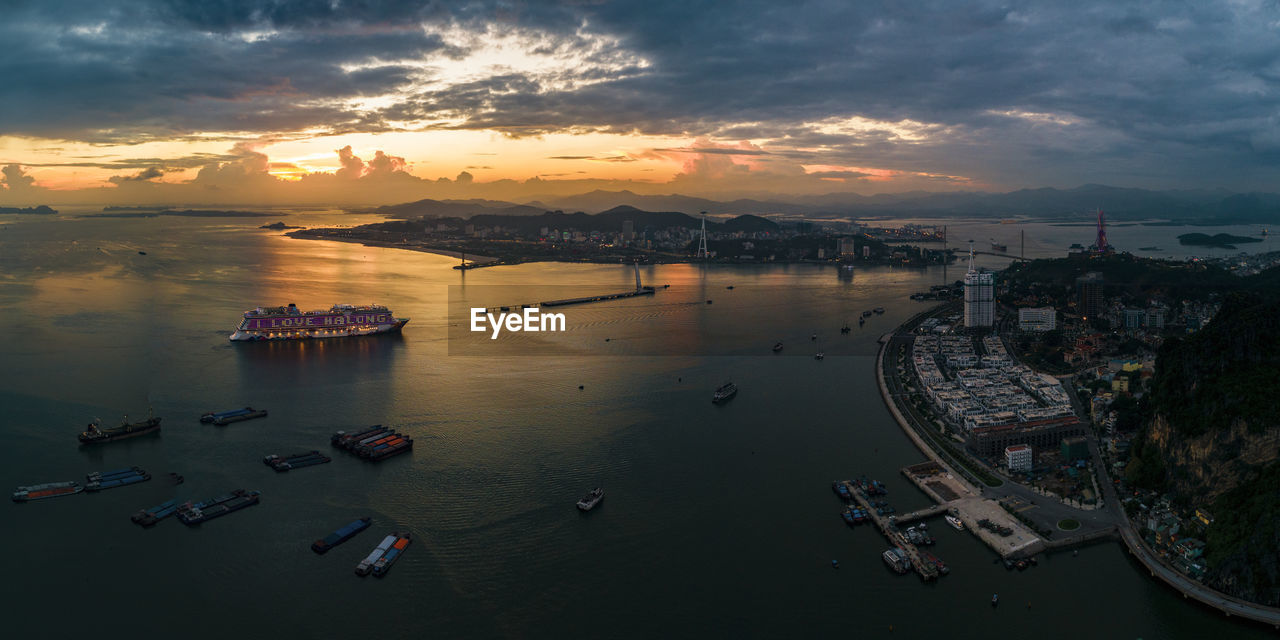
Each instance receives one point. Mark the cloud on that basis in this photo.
(1156, 92)
(146, 174)
(15, 179)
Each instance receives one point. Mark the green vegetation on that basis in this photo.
(1227, 372)
(1068, 524)
(1245, 536)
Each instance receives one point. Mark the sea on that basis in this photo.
(717, 521)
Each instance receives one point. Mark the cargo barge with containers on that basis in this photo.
(295, 461)
(100, 480)
(341, 535)
(383, 565)
(339, 321)
(366, 565)
(94, 433)
(375, 443)
(237, 415)
(46, 490)
(149, 517)
(194, 513)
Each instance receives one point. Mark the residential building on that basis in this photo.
(979, 296)
(1018, 457)
(1074, 448)
(1038, 319)
(1089, 300)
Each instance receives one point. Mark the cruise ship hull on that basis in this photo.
(251, 335)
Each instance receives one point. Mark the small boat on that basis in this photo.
(867, 314)
(995, 599)
(729, 287)
(878, 310)
(777, 346)
(846, 328)
(861, 321)
(955, 522)
(819, 355)
(724, 393)
(813, 337)
(589, 501)
(708, 300)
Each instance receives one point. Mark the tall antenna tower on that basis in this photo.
(702, 241)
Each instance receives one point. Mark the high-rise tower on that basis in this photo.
(979, 296)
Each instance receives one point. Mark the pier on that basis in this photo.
(888, 527)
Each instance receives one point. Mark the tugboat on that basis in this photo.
(777, 347)
(724, 393)
(94, 433)
(589, 501)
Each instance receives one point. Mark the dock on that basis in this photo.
(888, 527)
(954, 497)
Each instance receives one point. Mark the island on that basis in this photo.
(41, 210)
(117, 212)
(1221, 240)
(627, 234)
(278, 226)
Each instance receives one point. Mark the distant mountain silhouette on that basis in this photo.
(1199, 206)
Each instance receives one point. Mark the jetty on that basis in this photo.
(888, 526)
(640, 290)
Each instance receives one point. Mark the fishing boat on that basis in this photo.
(995, 599)
(777, 346)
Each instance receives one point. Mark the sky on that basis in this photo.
(362, 102)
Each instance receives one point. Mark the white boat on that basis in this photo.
(589, 501)
(955, 522)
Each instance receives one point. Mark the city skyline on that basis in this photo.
(289, 103)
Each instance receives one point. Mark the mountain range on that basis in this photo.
(1197, 206)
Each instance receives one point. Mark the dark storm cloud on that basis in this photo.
(141, 176)
(1014, 92)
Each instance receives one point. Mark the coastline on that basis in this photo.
(478, 260)
(1225, 603)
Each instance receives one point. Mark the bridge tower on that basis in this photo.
(702, 240)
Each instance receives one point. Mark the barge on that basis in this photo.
(295, 461)
(192, 514)
(99, 480)
(366, 565)
(94, 433)
(341, 535)
(383, 565)
(375, 444)
(149, 517)
(46, 490)
(237, 415)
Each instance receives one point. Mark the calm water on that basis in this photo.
(718, 521)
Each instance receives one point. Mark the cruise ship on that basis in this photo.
(340, 321)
